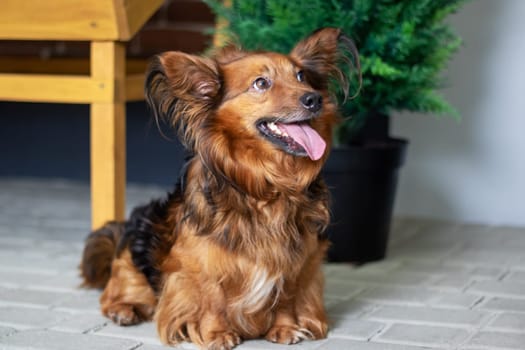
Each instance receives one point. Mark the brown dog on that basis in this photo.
(235, 251)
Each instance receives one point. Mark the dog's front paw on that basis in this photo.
(317, 329)
(287, 334)
(123, 314)
(223, 341)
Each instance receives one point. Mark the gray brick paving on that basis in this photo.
(443, 286)
(146, 332)
(5, 331)
(29, 318)
(499, 288)
(518, 276)
(503, 304)
(51, 340)
(509, 322)
(431, 336)
(82, 323)
(413, 296)
(355, 328)
(30, 298)
(498, 340)
(457, 301)
(430, 316)
(347, 344)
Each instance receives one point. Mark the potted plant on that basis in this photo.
(403, 48)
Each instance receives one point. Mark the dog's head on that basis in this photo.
(254, 118)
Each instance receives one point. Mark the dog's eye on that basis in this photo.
(300, 76)
(262, 84)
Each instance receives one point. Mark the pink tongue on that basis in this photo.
(307, 137)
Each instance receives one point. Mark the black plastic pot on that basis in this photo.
(362, 182)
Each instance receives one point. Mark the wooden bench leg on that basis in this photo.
(108, 135)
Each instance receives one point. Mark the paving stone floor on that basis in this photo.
(443, 285)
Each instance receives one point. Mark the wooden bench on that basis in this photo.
(102, 81)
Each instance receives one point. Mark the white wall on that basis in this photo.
(473, 170)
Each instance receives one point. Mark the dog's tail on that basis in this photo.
(99, 252)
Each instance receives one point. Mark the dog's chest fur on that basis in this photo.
(250, 307)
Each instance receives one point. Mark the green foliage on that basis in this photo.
(404, 45)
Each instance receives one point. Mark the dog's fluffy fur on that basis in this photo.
(235, 251)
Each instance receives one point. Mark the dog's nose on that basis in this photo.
(312, 101)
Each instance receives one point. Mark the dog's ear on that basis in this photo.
(181, 89)
(327, 54)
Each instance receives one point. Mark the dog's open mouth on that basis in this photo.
(298, 138)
